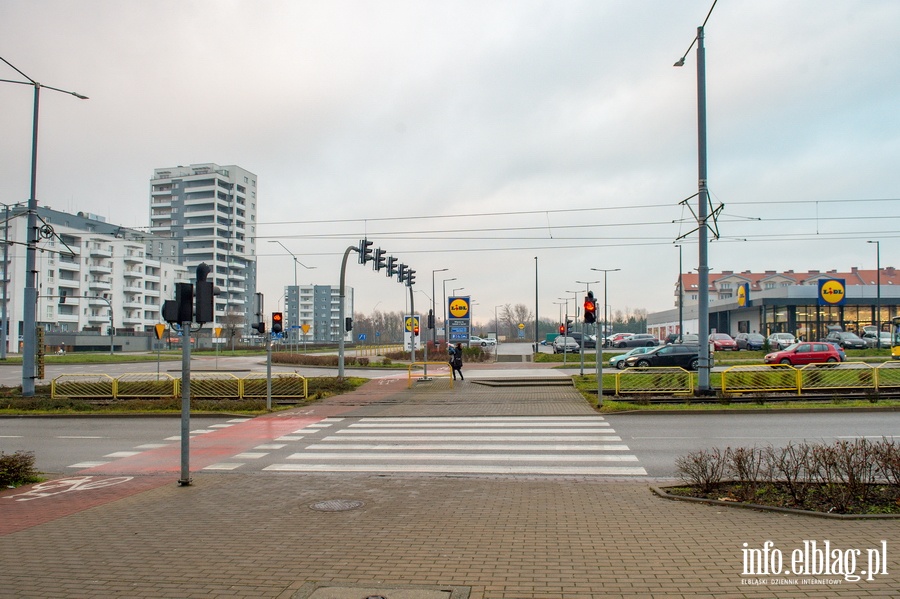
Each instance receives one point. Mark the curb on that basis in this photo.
(661, 492)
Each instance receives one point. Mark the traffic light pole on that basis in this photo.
(269, 371)
(341, 309)
(185, 479)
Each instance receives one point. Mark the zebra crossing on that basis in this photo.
(499, 445)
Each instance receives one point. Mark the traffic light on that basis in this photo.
(590, 309)
(562, 329)
(430, 318)
(391, 267)
(205, 310)
(277, 322)
(379, 259)
(401, 273)
(365, 251)
(170, 312)
(259, 327)
(568, 326)
(184, 300)
(348, 324)
(416, 327)
(410, 277)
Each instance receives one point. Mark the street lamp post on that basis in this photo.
(294, 320)
(605, 325)
(29, 308)
(433, 308)
(878, 298)
(446, 332)
(680, 295)
(703, 373)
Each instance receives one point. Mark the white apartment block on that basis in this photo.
(319, 307)
(105, 273)
(210, 211)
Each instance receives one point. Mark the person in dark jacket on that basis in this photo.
(456, 361)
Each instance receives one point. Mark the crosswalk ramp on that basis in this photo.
(501, 445)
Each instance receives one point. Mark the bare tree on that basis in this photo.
(232, 324)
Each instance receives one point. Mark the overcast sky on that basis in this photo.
(476, 136)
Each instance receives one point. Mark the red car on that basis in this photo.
(799, 354)
(722, 342)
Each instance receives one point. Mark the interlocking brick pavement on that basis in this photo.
(255, 535)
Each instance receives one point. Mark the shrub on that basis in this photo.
(17, 469)
(704, 469)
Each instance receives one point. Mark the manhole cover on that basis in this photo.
(337, 505)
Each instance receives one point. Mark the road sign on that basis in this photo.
(160, 330)
(521, 326)
(305, 328)
(218, 331)
(362, 337)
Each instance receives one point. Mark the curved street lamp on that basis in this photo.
(29, 309)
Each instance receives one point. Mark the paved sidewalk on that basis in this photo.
(257, 535)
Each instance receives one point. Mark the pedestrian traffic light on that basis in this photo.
(562, 329)
(410, 277)
(259, 327)
(590, 309)
(391, 267)
(365, 251)
(277, 322)
(378, 263)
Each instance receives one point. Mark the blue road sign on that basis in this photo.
(362, 337)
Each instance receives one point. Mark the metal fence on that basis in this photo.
(204, 385)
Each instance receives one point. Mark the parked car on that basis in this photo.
(781, 340)
(690, 339)
(678, 354)
(749, 341)
(846, 340)
(722, 342)
(872, 340)
(619, 361)
(613, 340)
(564, 344)
(840, 350)
(590, 342)
(806, 352)
(482, 341)
(638, 340)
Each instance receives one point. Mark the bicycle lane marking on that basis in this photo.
(39, 503)
(207, 448)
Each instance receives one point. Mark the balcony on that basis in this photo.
(100, 253)
(97, 318)
(133, 289)
(99, 285)
(64, 265)
(238, 301)
(100, 269)
(237, 277)
(97, 302)
(133, 258)
(237, 265)
(133, 304)
(132, 320)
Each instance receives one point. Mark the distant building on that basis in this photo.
(210, 211)
(318, 307)
(784, 302)
(86, 267)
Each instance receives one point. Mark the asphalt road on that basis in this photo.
(66, 444)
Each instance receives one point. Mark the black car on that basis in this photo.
(684, 356)
(589, 341)
(845, 340)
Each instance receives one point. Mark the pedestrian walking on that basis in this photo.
(456, 361)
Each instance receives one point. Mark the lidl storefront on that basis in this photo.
(797, 309)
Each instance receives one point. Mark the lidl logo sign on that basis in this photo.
(411, 322)
(459, 307)
(743, 295)
(832, 292)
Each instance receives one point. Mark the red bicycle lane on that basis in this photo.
(35, 504)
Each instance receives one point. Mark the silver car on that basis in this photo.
(781, 341)
(564, 344)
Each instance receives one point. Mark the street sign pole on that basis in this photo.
(185, 404)
(269, 372)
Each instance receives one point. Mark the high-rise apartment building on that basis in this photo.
(211, 211)
(318, 307)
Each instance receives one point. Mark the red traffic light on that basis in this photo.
(416, 330)
(562, 329)
(277, 322)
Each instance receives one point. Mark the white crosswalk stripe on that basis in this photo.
(518, 445)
